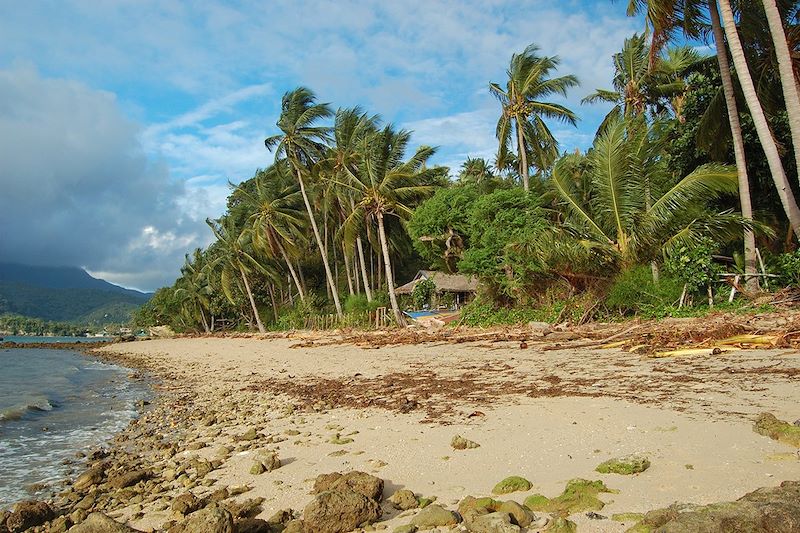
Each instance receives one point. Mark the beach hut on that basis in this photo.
(458, 287)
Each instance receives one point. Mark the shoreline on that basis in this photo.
(305, 402)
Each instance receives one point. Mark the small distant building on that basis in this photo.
(463, 288)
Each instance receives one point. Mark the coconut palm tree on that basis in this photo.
(759, 118)
(786, 68)
(237, 260)
(615, 222)
(195, 291)
(384, 186)
(302, 142)
(277, 220)
(643, 82)
(351, 127)
(522, 121)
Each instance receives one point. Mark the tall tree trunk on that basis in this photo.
(356, 271)
(750, 269)
(786, 69)
(398, 316)
(364, 276)
(759, 119)
(292, 273)
(203, 317)
(523, 158)
(347, 269)
(274, 305)
(252, 301)
(328, 274)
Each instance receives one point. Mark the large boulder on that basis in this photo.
(434, 516)
(100, 523)
(339, 511)
(29, 514)
(766, 510)
(361, 482)
(211, 519)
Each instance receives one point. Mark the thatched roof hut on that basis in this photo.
(453, 283)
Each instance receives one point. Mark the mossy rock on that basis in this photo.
(770, 426)
(631, 464)
(579, 495)
(512, 484)
(562, 525)
(627, 517)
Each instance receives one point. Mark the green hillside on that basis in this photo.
(64, 294)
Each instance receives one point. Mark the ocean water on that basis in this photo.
(24, 339)
(54, 404)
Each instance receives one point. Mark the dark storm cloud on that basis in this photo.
(77, 189)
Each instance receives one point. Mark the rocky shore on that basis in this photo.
(252, 435)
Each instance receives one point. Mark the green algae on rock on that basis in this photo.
(770, 426)
(579, 495)
(562, 525)
(512, 484)
(628, 465)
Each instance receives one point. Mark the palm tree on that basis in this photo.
(351, 127)
(529, 82)
(384, 185)
(615, 222)
(303, 143)
(276, 221)
(786, 69)
(759, 119)
(237, 260)
(195, 291)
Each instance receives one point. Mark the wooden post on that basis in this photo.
(763, 269)
(733, 289)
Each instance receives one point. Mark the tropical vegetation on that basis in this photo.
(656, 217)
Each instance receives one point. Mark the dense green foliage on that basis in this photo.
(638, 224)
(11, 324)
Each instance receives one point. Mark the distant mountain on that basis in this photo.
(64, 294)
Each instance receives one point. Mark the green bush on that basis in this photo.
(635, 293)
(423, 293)
(786, 267)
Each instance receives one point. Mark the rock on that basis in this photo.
(471, 508)
(211, 519)
(361, 482)
(203, 468)
(494, 523)
(100, 523)
(248, 435)
(93, 476)
(29, 514)
(59, 525)
(253, 525)
(257, 468)
(768, 425)
(339, 511)
(630, 464)
(434, 516)
(773, 510)
(270, 461)
(219, 495)
(512, 484)
(248, 508)
(579, 495)
(460, 443)
(186, 503)
(281, 517)
(295, 526)
(408, 528)
(520, 515)
(131, 478)
(404, 500)
(562, 525)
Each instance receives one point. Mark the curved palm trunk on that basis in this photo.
(364, 276)
(398, 316)
(329, 276)
(788, 82)
(347, 269)
(293, 274)
(252, 301)
(523, 159)
(203, 317)
(759, 119)
(750, 269)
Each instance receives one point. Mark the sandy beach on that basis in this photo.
(546, 415)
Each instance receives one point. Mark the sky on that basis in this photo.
(123, 121)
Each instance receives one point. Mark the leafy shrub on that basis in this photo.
(423, 293)
(694, 266)
(634, 293)
(787, 268)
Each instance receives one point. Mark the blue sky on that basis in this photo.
(121, 122)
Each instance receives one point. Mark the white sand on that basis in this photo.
(691, 417)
